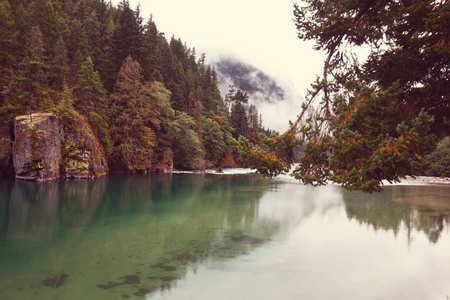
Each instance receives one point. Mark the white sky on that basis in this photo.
(257, 32)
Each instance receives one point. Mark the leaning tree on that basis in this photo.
(369, 120)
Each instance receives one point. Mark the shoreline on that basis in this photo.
(422, 180)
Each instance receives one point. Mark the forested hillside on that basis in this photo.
(152, 101)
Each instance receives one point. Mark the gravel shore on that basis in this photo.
(425, 180)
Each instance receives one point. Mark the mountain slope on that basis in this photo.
(248, 79)
(276, 99)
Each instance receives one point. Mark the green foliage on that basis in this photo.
(127, 36)
(59, 64)
(238, 120)
(28, 85)
(91, 95)
(65, 109)
(409, 45)
(369, 145)
(274, 156)
(101, 125)
(8, 38)
(90, 98)
(213, 141)
(438, 162)
(367, 129)
(134, 118)
(68, 57)
(186, 145)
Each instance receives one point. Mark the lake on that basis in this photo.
(229, 236)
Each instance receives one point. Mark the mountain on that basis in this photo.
(257, 84)
(276, 99)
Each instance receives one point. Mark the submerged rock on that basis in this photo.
(56, 281)
(247, 239)
(83, 155)
(127, 279)
(142, 292)
(37, 147)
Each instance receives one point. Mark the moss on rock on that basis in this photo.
(83, 155)
(37, 148)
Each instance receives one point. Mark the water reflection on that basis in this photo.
(418, 208)
(38, 210)
(126, 237)
(131, 235)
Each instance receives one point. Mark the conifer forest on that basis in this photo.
(151, 100)
(154, 104)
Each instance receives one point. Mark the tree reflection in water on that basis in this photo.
(422, 208)
(149, 227)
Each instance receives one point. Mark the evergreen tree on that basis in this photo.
(438, 162)
(238, 120)
(73, 51)
(127, 36)
(229, 98)
(213, 141)
(77, 47)
(42, 13)
(8, 38)
(65, 108)
(151, 55)
(59, 64)
(91, 101)
(374, 119)
(186, 145)
(253, 124)
(89, 90)
(28, 84)
(134, 118)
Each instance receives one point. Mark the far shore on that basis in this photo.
(409, 180)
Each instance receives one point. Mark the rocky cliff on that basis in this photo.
(83, 155)
(44, 149)
(37, 149)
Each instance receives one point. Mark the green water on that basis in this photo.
(204, 236)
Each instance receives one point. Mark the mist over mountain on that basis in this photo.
(275, 98)
(249, 79)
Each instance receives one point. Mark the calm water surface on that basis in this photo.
(192, 236)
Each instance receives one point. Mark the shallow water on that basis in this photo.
(231, 236)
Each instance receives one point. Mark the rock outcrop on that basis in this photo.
(83, 155)
(44, 149)
(37, 149)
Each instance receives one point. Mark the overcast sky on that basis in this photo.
(260, 33)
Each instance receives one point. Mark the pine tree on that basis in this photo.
(89, 90)
(186, 145)
(151, 55)
(127, 36)
(134, 120)
(213, 141)
(28, 84)
(42, 13)
(59, 64)
(374, 119)
(91, 101)
(253, 124)
(229, 98)
(238, 120)
(8, 38)
(77, 47)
